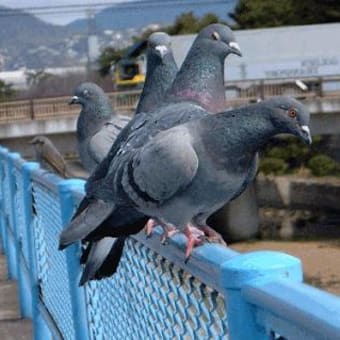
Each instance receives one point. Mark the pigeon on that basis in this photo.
(160, 73)
(97, 126)
(212, 45)
(49, 157)
(161, 70)
(216, 162)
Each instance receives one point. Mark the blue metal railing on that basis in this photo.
(218, 294)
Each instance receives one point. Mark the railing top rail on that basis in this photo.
(303, 306)
(204, 263)
(46, 179)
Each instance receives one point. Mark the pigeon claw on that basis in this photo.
(212, 235)
(169, 231)
(150, 224)
(195, 238)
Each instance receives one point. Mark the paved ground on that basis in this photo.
(12, 327)
(321, 259)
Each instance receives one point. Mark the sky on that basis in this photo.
(59, 19)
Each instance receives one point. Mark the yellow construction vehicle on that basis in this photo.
(129, 72)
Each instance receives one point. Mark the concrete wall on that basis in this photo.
(65, 142)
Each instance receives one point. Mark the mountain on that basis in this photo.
(26, 41)
(120, 17)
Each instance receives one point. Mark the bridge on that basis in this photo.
(20, 120)
(217, 294)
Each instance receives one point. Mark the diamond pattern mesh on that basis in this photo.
(2, 208)
(151, 298)
(51, 263)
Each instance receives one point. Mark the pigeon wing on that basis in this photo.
(162, 168)
(102, 141)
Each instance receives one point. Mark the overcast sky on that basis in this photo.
(62, 18)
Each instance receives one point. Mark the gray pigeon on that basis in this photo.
(161, 70)
(49, 157)
(211, 47)
(160, 73)
(97, 126)
(216, 162)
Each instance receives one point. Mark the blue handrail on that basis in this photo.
(218, 294)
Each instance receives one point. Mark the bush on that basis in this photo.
(275, 166)
(322, 165)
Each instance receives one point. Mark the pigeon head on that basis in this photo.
(87, 93)
(159, 44)
(290, 116)
(219, 38)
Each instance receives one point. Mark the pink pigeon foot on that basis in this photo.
(169, 231)
(212, 235)
(195, 238)
(150, 224)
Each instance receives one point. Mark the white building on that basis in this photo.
(284, 52)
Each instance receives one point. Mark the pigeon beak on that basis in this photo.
(235, 48)
(74, 100)
(162, 50)
(305, 134)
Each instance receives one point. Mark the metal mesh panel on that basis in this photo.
(2, 208)
(152, 298)
(51, 263)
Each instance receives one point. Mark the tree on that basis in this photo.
(109, 56)
(271, 13)
(188, 23)
(184, 24)
(6, 91)
(35, 77)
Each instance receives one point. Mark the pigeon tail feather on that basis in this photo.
(85, 222)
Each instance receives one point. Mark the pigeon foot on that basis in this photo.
(212, 235)
(150, 224)
(195, 238)
(169, 231)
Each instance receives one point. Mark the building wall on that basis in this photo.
(293, 52)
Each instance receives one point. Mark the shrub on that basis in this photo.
(275, 166)
(322, 165)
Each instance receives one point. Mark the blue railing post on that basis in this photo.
(25, 302)
(243, 269)
(3, 152)
(77, 293)
(9, 218)
(40, 329)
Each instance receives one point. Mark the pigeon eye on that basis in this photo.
(292, 113)
(215, 36)
(85, 92)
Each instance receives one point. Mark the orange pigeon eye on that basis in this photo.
(292, 113)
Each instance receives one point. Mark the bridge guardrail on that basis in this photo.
(218, 294)
(237, 93)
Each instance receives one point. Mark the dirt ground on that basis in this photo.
(321, 259)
